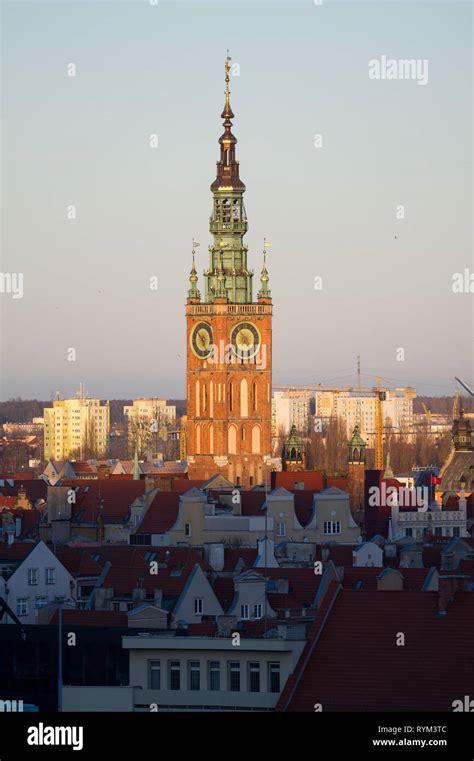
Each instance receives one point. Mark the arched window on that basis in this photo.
(211, 439)
(256, 439)
(226, 210)
(198, 398)
(204, 397)
(254, 396)
(244, 407)
(232, 439)
(198, 439)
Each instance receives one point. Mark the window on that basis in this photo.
(456, 531)
(32, 576)
(273, 677)
(244, 612)
(174, 675)
(226, 206)
(281, 530)
(194, 675)
(438, 531)
(40, 601)
(332, 527)
(154, 675)
(234, 676)
(214, 676)
(187, 529)
(257, 610)
(22, 606)
(50, 575)
(198, 606)
(254, 677)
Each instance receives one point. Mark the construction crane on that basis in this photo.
(428, 414)
(467, 388)
(380, 397)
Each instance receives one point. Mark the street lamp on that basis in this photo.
(59, 602)
(266, 460)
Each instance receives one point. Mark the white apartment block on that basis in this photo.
(76, 427)
(290, 408)
(151, 409)
(360, 407)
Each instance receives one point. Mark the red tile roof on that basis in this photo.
(232, 557)
(303, 506)
(7, 501)
(251, 502)
(16, 551)
(413, 578)
(35, 489)
(116, 497)
(161, 515)
(355, 665)
(182, 485)
(313, 480)
(223, 587)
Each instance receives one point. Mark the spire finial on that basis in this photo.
(193, 292)
(264, 292)
(227, 80)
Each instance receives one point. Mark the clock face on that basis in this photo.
(201, 340)
(245, 340)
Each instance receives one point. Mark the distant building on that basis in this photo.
(290, 408)
(359, 408)
(146, 419)
(151, 409)
(76, 427)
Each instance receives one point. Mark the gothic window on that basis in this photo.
(232, 439)
(198, 398)
(256, 439)
(254, 396)
(226, 210)
(244, 398)
(204, 397)
(211, 399)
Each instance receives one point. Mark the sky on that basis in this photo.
(331, 210)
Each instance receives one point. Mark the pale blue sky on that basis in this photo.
(329, 212)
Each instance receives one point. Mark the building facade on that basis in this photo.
(76, 428)
(359, 408)
(290, 408)
(229, 340)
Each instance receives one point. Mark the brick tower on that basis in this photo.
(229, 340)
(356, 474)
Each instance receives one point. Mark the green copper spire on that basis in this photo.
(228, 275)
(264, 292)
(193, 292)
(356, 446)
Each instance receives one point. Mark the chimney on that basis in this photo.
(449, 586)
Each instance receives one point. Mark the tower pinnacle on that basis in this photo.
(227, 166)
